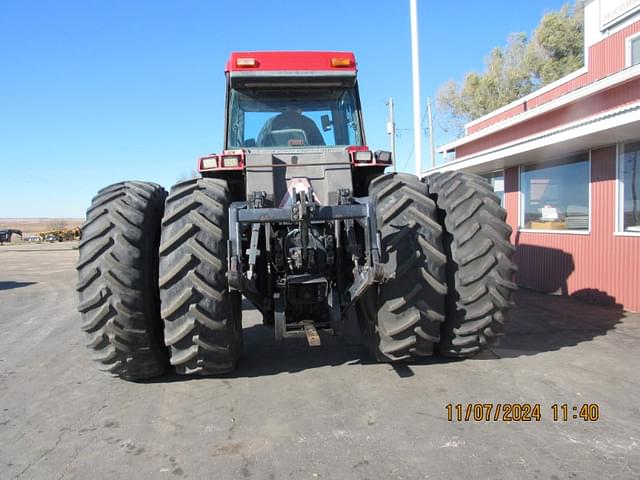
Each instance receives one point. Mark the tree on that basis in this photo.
(557, 44)
(525, 64)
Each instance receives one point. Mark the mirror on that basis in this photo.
(326, 123)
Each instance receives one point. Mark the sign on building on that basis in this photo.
(612, 11)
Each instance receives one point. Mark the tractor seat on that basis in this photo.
(290, 128)
(290, 137)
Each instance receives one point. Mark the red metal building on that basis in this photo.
(566, 160)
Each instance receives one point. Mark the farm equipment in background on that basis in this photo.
(61, 234)
(7, 233)
(298, 215)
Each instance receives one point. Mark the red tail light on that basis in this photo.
(228, 160)
(360, 155)
(208, 163)
(363, 157)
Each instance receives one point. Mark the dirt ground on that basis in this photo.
(291, 411)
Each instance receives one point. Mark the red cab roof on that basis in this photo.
(291, 61)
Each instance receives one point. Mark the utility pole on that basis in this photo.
(415, 67)
(431, 146)
(391, 130)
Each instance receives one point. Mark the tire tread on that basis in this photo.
(401, 323)
(117, 280)
(480, 269)
(201, 317)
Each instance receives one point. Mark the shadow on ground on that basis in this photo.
(542, 323)
(11, 285)
(539, 323)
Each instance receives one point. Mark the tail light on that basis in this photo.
(363, 157)
(246, 62)
(360, 155)
(229, 160)
(208, 163)
(232, 161)
(383, 157)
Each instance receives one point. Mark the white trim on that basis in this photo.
(617, 216)
(496, 170)
(618, 213)
(541, 91)
(568, 232)
(590, 184)
(590, 188)
(520, 209)
(597, 35)
(629, 40)
(625, 18)
(586, 126)
(591, 89)
(521, 201)
(619, 204)
(585, 48)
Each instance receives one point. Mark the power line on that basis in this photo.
(413, 146)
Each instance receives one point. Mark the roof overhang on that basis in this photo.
(607, 128)
(606, 83)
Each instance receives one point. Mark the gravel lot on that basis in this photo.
(291, 411)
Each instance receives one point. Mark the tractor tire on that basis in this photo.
(479, 266)
(118, 280)
(400, 319)
(202, 319)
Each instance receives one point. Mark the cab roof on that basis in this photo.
(256, 63)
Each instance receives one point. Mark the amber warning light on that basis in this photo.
(341, 62)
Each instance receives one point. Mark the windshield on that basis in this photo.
(293, 117)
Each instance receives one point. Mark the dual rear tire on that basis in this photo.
(448, 268)
(122, 281)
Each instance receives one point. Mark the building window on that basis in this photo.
(634, 51)
(555, 196)
(449, 155)
(629, 190)
(496, 179)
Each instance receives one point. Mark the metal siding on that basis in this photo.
(609, 55)
(615, 97)
(570, 86)
(599, 266)
(512, 112)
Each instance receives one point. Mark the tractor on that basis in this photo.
(298, 216)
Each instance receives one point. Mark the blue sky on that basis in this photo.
(93, 92)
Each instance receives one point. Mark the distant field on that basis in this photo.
(35, 225)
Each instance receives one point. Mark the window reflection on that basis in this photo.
(630, 194)
(496, 180)
(555, 196)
